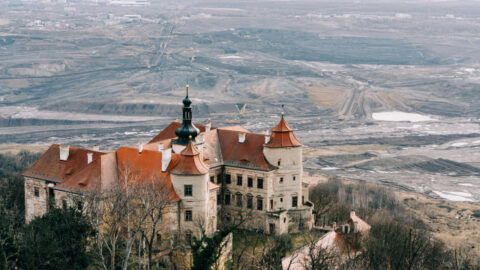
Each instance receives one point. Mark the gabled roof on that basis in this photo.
(132, 166)
(189, 162)
(169, 131)
(87, 178)
(145, 167)
(282, 136)
(362, 225)
(248, 154)
(49, 167)
(236, 128)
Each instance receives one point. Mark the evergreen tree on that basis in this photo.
(57, 240)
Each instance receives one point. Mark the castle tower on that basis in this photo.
(284, 151)
(190, 179)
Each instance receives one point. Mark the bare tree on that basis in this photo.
(107, 210)
(155, 197)
(317, 257)
(127, 209)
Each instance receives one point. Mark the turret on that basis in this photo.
(284, 151)
(187, 129)
(190, 179)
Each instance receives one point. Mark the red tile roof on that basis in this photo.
(169, 131)
(132, 166)
(87, 178)
(282, 136)
(189, 162)
(247, 154)
(49, 167)
(145, 167)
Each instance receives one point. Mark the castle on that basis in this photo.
(212, 175)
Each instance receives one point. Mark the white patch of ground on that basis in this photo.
(33, 113)
(401, 117)
(466, 184)
(329, 168)
(459, 144)
(231, 57)
(455, 196)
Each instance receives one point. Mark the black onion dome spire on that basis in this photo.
(187, 131)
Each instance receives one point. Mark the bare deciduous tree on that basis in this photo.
(129, 208)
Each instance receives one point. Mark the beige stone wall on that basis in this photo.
(287, 180)
(212, 212)
(35, 206)
(197, 203)
(233, 212)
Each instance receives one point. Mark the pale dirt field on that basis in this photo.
(14, 149)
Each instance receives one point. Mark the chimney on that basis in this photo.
(352, 214)
(208, 126)
(89, 158)
(241, 137)
(64, 152)
(140, 148)
(201, 138)
(166, 158)
(201, 148)
(355, 227)
(267, 137)
(94, 147)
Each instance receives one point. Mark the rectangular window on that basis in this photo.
(188, 215)
(227, 199)
(259, 204)
(239, 200)
(188, 238)
(64, 203)
(239, 180)
(219, 179)
(294, 201)
(250, 182)
(212, 179)
(79, 206)
(259, 183)
(36, 191)
(188, 190)
(219, 199)
(228, 179)
(271, 204)
(294, 178)
(281, 179)
(250, 202)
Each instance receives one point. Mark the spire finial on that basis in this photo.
(186, 87)
(190, 137)
(283, 110)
